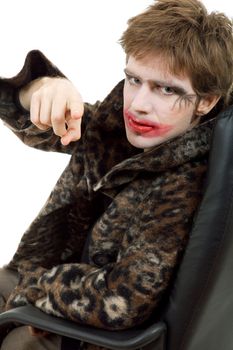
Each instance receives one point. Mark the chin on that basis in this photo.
(141, 142)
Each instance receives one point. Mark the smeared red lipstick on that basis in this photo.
(145, 127)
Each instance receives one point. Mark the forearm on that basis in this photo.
(101, 297)
(15, 96)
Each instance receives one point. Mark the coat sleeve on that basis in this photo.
(124, 293)
(18, 119)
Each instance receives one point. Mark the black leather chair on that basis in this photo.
(199, 314)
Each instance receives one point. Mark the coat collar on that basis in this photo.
(193, 144)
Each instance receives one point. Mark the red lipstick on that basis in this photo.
(145, 127)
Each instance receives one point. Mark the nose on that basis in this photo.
(141, 102)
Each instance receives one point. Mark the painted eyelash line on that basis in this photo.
(186, 98)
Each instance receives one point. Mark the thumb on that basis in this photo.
(73, 132)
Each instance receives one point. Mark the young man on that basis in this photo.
(104, 248)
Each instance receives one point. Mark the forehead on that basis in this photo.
(155, 68)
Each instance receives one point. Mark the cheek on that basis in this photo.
(128, 96)
(180, 114)
(126, 100)
(183, 119)
(166, 109)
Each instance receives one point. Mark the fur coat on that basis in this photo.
(105, 247)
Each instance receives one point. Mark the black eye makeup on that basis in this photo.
(187, 99)
(163, 87)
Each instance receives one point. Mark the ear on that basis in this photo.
(206, 104)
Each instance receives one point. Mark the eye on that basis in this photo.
(132, 80)
(167, 90)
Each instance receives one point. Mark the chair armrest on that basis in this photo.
(118, 340)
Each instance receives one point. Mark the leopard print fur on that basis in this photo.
(131, 211)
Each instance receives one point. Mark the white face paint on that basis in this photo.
(157, 105)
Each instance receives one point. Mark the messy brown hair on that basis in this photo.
(191, 41)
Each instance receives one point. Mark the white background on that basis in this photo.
(80, 37)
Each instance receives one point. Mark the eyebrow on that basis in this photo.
(178, 89)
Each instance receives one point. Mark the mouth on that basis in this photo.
(145, 127)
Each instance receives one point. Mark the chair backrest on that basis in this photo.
(200, 312)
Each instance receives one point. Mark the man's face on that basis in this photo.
(157, 105)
